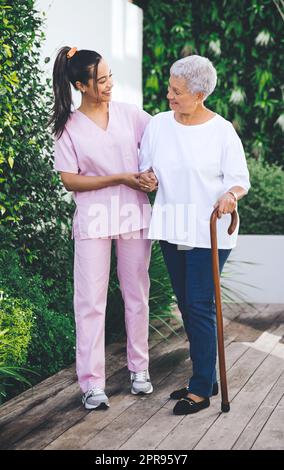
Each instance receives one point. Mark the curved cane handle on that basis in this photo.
(234, 220)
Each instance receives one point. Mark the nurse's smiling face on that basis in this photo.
(101, 90)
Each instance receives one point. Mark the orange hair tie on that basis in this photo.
(72, 51)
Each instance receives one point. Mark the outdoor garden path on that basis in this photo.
(51, 415)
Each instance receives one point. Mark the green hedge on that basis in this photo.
(35, 216)
(52, 335)
(16, 317)
(262, 210)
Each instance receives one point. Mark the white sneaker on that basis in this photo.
(94, 398)
(140, 382)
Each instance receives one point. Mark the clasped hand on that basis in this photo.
(148, 181)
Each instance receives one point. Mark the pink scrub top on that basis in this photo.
(85, 148)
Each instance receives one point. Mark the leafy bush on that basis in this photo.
(53, 342)
(52, 333)
(262, 210)
(16, 322)
(34, 213)
(16, 317)
(9, 374)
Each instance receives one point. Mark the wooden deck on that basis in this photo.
(51, 415)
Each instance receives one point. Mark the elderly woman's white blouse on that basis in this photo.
(194, 165)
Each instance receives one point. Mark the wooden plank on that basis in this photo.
(91, 424)
(164, 421)
(272, 435)
(133, 418)
(57, 428)
(59, 381)
(256, 321)
(47, 388)
(43, 424)
(124, 426)
(45, 417)
(180, 438)
(254, 428)
(226, 430)
(235, 329)
(40, 423)
(235, 311)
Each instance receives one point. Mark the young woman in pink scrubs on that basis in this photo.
(96, 153)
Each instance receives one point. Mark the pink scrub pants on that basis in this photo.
(91, 279)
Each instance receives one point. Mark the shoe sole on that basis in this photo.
(101, 406)
(141, 393)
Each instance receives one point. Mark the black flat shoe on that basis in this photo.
(182, 392)
(187, 406)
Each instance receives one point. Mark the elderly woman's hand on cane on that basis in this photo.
(226, 204)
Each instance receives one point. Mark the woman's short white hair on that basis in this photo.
(199, 73)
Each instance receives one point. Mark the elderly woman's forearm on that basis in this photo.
(238, 191)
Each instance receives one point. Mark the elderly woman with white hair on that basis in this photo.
(199, 162)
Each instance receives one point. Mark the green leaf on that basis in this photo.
(11, 161)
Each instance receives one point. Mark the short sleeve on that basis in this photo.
(65, 158)
(234, 165)
(142, 120)
(145, 159)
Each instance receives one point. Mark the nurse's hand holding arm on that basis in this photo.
(75, 182)
(147, 179)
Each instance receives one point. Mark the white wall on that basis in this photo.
(266, 252)
(111, 27)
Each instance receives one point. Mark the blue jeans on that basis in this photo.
(192, 281)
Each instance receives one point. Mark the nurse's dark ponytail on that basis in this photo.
(80, 66)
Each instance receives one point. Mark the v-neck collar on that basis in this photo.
(95, 124)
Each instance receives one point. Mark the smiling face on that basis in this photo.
(101, 90)
(180, 98)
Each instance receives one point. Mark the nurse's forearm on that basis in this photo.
(74, 182)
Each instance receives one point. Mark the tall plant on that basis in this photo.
(35, 216)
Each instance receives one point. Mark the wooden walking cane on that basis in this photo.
(225, 405)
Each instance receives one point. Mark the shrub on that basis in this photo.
(52, 333)
(16, 322)
(262, 210)
(34, 214)
(16, 317)
(9, 374)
